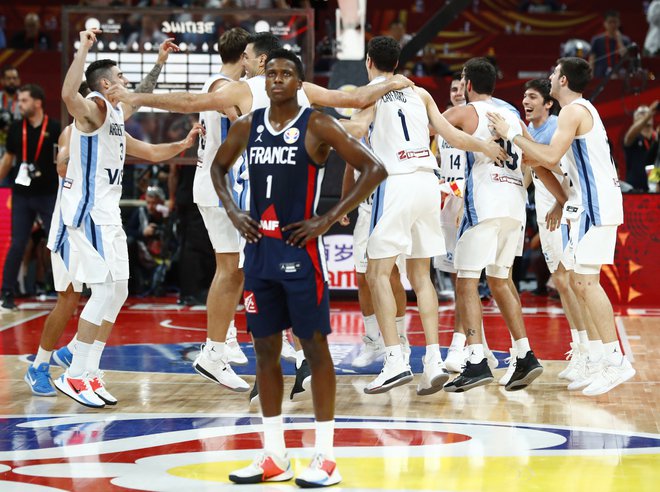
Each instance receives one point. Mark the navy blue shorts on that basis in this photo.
(272, 306)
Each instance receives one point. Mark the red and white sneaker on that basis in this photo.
(78, 389)
(266, 467)
(98, 386)
(321, 472)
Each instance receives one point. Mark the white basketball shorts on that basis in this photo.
(222, 233)
(589, 247)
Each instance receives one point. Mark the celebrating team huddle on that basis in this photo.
(261, 160)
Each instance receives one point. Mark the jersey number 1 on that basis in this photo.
(269, 185)
(404, 126)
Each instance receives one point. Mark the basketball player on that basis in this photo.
(246, 96)
(68, 289)
(221, 347)
(285, 276)
(488, 237)
(90, 210)
(594, 209)
(402, 221)
(540, 111)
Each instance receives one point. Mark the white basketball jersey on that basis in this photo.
(216, 126)
(589, 165)
(493, 190)
(96, 165)
(452, 170)
(57, 227)
(400, 135)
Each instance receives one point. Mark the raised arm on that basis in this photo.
(636, 128)
(184, 102)
(161, 152)
(359, 98)
(148, 83)
(80, 108)
(545, 155)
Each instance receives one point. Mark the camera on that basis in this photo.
(33, 171)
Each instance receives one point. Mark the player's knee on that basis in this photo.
(268, 350)
(497, 285)
(561, 281)
(119, 296)
(96, 306)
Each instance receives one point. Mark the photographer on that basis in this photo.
(147, 244)
(32, 173)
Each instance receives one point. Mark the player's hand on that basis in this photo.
(88, 38)
(553, 217)
(498, 125)
(344, 221)
(246, 226)
(303, 231)
(196, 130)
(118, 93)
(166, 47)
(496, 152)
(654, 106)
(401, 82)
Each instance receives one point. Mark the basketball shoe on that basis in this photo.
(266, 467)
(395, 372)
(527, 370)
(511, 360)
(218, 370)
(38, 379)
(98, 386)
(435, 375)
(233, 349)
(79, 389)
(302, 386)
(321, 472)
(370, 352)
(63, 357)
(473, 375)
(612, 374)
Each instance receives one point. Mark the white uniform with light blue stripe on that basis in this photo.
(92, 187)
(595, 194)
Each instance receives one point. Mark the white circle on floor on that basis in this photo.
(6, 486)
(80, 470)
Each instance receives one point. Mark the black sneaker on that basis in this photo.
(473, 375)
(8, 303)
(527, 370)
(254, 394)
(302, 387)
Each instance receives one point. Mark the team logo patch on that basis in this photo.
(250, 302)
(269, 225)
(291, 135)
(68, 183)
(260, 130)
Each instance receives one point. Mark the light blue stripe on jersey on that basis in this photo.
(378, 205)
(501, 103)
(564, 236)
(544, 133)
(88, 159)
(93, 234)
(587, 181)
(470, 212)
(224, 129)
(64, 249)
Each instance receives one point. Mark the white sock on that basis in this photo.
(325, 434)
(595, 349)
(300, 357)
(371, 328)
(231, 331)
(612, 351)
(522, 347)
(394, 352)
(400, 322)
(94, 359)
(583, 336)
(72, 344)
(79, 361)
(476, 353)
(214, 350)
(458, 340)
(41, 357)
(575, 338)
(274, 435)
(432, 350)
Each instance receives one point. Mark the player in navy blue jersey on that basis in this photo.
(285, 274)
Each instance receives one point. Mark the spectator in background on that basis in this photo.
(637, 142)
(398, 32)
(608, 48)
(429, 65)
(540, 6)
(9, 111)
(31, 38)
(29, 160)
(149, 33)
(652, 42)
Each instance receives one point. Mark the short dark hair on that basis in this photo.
(8, 68)
(611, 13)
(542, 86)
(384, 51)
(577, 71)
(288, 55)
(232, 44)
(456, 76)
(98, 70)
(84, 89)
(482, 73)
(264, 42)
(36, 91)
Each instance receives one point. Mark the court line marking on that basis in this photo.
(23, 320)
(167, 323)
(625, 342)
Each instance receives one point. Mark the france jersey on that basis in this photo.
(216, 126)
(92, 186)
(595, 193)
(285, 185)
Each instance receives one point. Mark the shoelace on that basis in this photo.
(569, 354)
